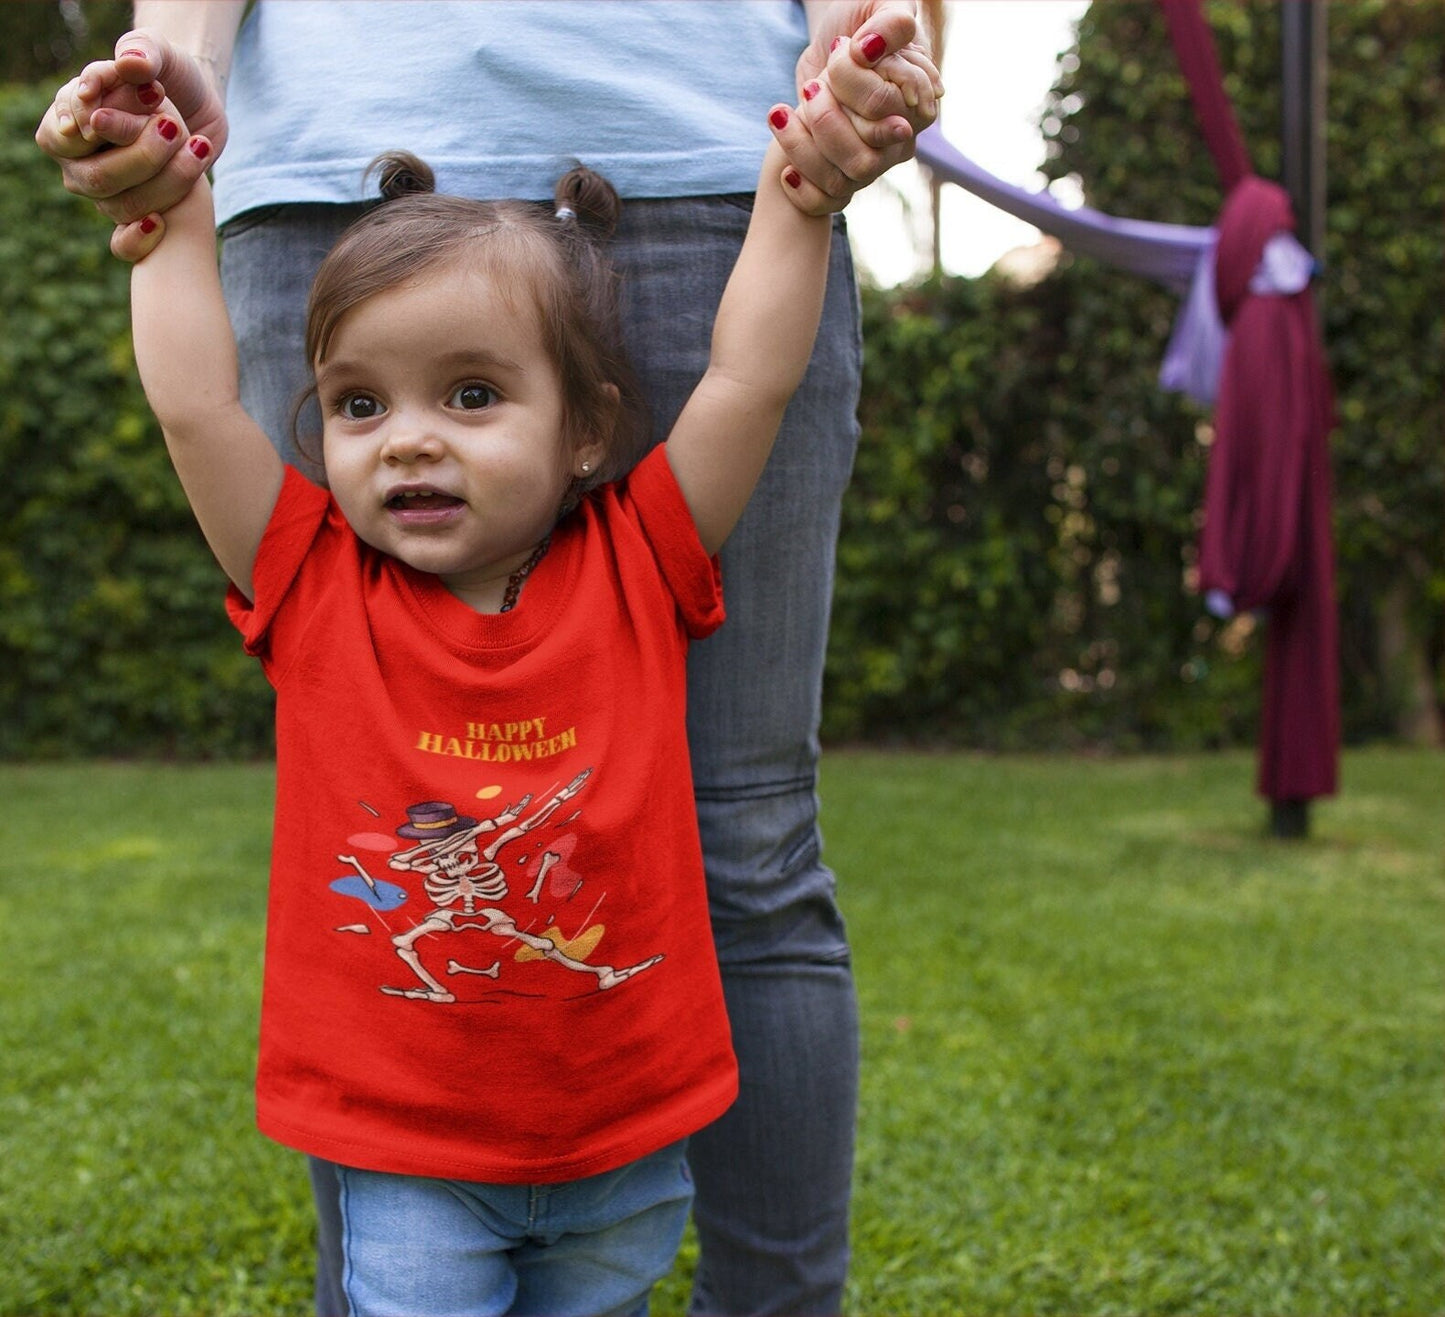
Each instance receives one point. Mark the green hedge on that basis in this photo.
(1019, 535)
(1020, 527)
(112, 637)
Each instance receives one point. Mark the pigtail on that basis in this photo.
(401, 174)
(587, 211)
(589, 200)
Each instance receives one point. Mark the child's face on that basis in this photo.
(443, 429)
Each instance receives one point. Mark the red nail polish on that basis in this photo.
(873, 47)
(811, 90)
(168, 128)
(837, 41)
(779, 118)
(200, 148)
(148, 95)
(139, 54)
(792, 178)
(148, 225)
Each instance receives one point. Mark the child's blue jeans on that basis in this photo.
(414, 1247)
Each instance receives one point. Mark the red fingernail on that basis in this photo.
(837, 41)
(811, 90)
(792, 178)
(148, 95)
(873, 47)
(148, 225)
(139, 54)
(168, 129)
(779, 118)
(200, 148)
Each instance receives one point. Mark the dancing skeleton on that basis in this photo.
(457, 875)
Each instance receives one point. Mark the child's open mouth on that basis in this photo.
(422, 500)
(423, 507)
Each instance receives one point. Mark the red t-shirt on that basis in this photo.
(488, 953)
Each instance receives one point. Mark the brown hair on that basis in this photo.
(552, 257)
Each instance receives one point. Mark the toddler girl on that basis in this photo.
(491, 996)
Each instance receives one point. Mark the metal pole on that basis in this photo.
(1303, 55)
(1303, 49)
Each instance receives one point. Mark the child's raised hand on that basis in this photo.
(120, 129)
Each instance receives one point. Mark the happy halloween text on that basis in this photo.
(500, 743)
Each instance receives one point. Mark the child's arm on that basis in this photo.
(761, 343)
(186, 354)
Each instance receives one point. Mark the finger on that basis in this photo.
(911, 68)
(874, 134)
(807, 198)
(140, 57)
(115, 127)
(136, 240)
(160, 192)
(131, 180)
(892, 86)
(109, 112)
(58, 135)
(860, 150)
(919, 57)
(791, 132)
(890, 27)
(88, 91)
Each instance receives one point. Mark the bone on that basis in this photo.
(549, 858)
(356, 864)
(495, 972)
(352, 928)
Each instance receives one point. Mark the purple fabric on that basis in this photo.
(1166, 253)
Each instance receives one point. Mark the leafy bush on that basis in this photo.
(112, 636)
(1019, 537)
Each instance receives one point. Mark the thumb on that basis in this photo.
(890, 26)
(144, 56)
(139, 57)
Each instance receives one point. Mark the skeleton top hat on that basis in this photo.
(433, 820)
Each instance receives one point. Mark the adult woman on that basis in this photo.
(665, 98)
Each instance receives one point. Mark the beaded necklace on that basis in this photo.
(516, 580)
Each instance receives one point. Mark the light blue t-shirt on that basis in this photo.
(501, 97)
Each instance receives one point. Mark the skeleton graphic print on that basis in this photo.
(460, 862)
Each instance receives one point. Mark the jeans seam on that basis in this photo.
(757, 790)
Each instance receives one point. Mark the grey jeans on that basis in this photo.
(772, 1175)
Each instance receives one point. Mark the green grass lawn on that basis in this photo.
(1123, 1054)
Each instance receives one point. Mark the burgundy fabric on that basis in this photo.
(1266, 540)
(1194, 48)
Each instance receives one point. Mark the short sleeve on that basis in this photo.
(692, 575)
(296, 520)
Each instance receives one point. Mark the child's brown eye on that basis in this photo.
(359, 407)
(473, 397)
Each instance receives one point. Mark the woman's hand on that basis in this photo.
(867, 87)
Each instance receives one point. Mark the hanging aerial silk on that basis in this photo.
(1247, 339)
(1266, 542)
